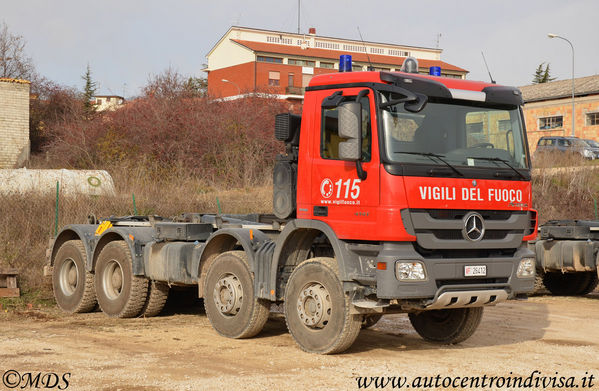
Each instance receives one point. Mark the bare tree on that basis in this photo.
(171, 84)
(14, 63)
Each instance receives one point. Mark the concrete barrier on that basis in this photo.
(72, 182)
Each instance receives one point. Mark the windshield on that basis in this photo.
(474, 134)
(592, 143)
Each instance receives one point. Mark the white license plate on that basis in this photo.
(471, 271)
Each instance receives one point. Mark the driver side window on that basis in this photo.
(329, 142)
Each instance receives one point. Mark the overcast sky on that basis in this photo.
(124, 41)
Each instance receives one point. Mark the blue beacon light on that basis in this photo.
(345, 63)
(434, 71)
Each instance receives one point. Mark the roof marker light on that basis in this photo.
(410, 65)
(345, 64)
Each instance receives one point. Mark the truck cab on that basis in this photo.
(426, 181)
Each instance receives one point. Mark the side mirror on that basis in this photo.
(418, 105)
(350, 126)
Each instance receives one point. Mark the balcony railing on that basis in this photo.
(289, 90)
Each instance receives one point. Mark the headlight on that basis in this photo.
(526, 268)
(410, 271)
(587, 153)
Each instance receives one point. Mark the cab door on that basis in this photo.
(338, 196)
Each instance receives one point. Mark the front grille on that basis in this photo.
(454, 234)
(449, 214)
(442, 229)
(471, 281)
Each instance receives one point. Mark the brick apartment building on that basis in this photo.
(548, 109)
(247, 60)
(14, 123)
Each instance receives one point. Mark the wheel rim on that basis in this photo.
(112, 280)
(69, 277)
(228, 295)
(440, 316)
(314, 306)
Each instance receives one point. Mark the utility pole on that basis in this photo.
(550, 35)
(298, 15)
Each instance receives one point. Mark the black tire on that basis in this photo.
(73, 285)
(566, 284)
(370, 320)
(157, 296)
(229, 299)
(591, 283)
(317, 311)
(447, 326)
(120, 293)
(539, 287)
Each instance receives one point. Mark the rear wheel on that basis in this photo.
(120, 293)
(567, 284)
(73, 285)
(591, 284)
(447, 326)
(317, 311)
(229, 299)
(539, 285)
(157, 296)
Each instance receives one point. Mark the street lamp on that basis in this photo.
(235, 84)
(572, 46)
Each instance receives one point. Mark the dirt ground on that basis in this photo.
(179, 350)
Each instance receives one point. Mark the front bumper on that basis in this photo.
(445, 285)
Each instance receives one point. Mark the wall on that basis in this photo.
(14, 123)
(583, 105)
(243, 76)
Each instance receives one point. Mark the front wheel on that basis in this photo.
(229, 299)
(317, 311)
(447, 326)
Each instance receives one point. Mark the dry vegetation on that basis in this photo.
(565, 187)
(174, 148)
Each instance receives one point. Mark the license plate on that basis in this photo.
(472, 271)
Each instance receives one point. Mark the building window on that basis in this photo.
(270, 59)
(326, 45)
(546, 123)
(328, 65)
(354, 48)
(274, 78)
(302, 63)
(290, 79)
(377, 50)
(286, 41)
(592, 119)
(399, 53)
(357, 68)
(382, 69)
(108, 100)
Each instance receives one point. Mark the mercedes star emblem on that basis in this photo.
(474, 228)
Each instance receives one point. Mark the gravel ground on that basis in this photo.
(179, 350)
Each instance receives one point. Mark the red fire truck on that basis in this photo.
(397, 193)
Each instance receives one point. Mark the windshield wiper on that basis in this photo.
(431, 155)
(498, 159)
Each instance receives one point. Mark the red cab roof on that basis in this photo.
(375, 77)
